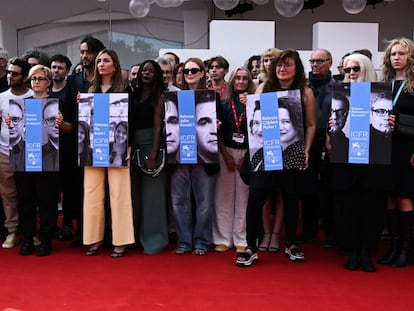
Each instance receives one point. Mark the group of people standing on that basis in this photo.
(234, 205)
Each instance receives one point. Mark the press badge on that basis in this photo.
(238, 138)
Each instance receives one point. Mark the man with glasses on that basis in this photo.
(338, 140)
(50, 150)
(380, 130)
(11, 142)
(167, 73)
(321, 83)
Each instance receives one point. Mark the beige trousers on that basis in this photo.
(120, 201)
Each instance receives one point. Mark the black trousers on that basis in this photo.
(254, 220)
(72, 190)
(37, 192)
(360, 217)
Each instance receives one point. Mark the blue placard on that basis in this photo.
(272, 150)
(100, 154)
(187, 122)
(359, 123)
(33, 121)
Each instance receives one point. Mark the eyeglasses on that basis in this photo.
(13, 73)
(16, 120)
(39, 79)
(318, 61)
(192, 70)
(286, 65)
(382, 112)
(50, 121)
(339, 112)
(355, 69)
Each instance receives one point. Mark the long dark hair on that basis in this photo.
(116, 80)
(157, 88)
(85, 156)
(273, 84)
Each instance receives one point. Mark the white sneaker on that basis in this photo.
(10, 241)
(36, 241)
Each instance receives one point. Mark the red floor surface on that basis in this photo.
(69, 280)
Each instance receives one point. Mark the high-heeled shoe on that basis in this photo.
(274, 242)
(118, 254)
(264, 245)
(94, 249)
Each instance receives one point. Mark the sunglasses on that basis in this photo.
(13, 73)
(192, 70)
(355, 69)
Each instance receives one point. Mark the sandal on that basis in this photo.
(116, 254)
(274, 242)
(200, 252)
(264, 245)
(181, 251)
(94, 249)
(295, 253)
(246, 258)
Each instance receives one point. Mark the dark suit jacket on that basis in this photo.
(50, 158)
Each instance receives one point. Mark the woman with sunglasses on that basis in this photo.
(194, 233)
(359, 190)
(398, 68)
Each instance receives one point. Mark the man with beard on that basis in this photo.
(60, 66)
(80, 82)
(17, 73)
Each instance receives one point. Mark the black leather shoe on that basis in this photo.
(353, 261)
(27, 249)
(44, 249)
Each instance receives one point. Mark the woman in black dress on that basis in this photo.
(398, 68)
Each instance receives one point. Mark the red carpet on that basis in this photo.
(69, 280)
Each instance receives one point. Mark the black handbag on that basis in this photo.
(405, 124)
(141, 157)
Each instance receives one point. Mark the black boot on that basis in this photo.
(403, 257)
(352, 262)
(366, 262)
(392, 224)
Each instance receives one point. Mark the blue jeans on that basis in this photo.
(193, 231)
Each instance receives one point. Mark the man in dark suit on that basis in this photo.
(339, 142)
(80, 82)
(50, 150)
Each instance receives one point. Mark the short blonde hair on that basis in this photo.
(44, 69)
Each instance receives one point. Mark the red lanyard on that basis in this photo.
(239, 120)
(222, 89)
